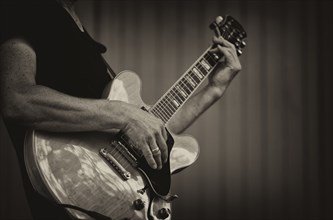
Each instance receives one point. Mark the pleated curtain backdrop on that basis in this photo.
(266, 146)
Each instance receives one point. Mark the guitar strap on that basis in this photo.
(93, 214)
(111, 73)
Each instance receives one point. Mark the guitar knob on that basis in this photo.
(138, 204)
(163, 213)
(239, 52)
(243, 44)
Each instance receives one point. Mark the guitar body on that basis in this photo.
(69, 168)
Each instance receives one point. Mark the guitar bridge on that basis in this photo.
(115, 164)
(117, 154)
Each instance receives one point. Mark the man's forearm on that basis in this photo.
(194, 107)
(46, 109)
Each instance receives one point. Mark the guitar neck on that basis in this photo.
(184, 87)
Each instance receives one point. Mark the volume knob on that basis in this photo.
(138, 204)
(163, 213)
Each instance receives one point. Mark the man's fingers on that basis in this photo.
(163, 148)
(227, 53)
(222, 41)
(156, 152)
(164, 133)
(149, 157)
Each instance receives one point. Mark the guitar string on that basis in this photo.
(121, 159)
(168, 102)
(184, 82)
(158, 114)
(172, 95)
(167, 111)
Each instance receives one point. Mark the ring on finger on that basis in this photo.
(155, 151)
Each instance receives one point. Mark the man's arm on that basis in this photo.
(219, 80)
(42, 108)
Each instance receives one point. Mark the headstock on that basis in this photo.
(231, 30)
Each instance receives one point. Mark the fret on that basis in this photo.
(189, 79)
(165, 106)
(210, 59)
(176, 100)
(169, 103)
(197, 72)
(185, 86)
(201, 69)
(159, 115)
(176, 95)
(173, 99)
(195, 77)
(175, 103)
(188, 83)
(182, 92)
(204, 63)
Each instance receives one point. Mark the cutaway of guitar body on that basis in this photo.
(68, 167)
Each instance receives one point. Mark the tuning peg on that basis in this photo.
(243, 44)
(239, 52)
(216, 25)
(219, 19)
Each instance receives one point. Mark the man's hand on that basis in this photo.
(148, 135)
(228, 66)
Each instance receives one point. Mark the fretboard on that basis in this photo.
(184, 87)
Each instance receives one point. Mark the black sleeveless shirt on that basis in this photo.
(68, 60)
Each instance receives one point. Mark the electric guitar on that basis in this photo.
(101, 172)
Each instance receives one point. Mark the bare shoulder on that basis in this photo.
(17, 61)
(16, 47)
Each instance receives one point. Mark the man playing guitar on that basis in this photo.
(35, 95)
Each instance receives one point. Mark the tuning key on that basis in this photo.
(219, 19)
(239, 52)
(243, 44)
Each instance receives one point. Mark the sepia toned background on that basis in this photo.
(266, 146)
